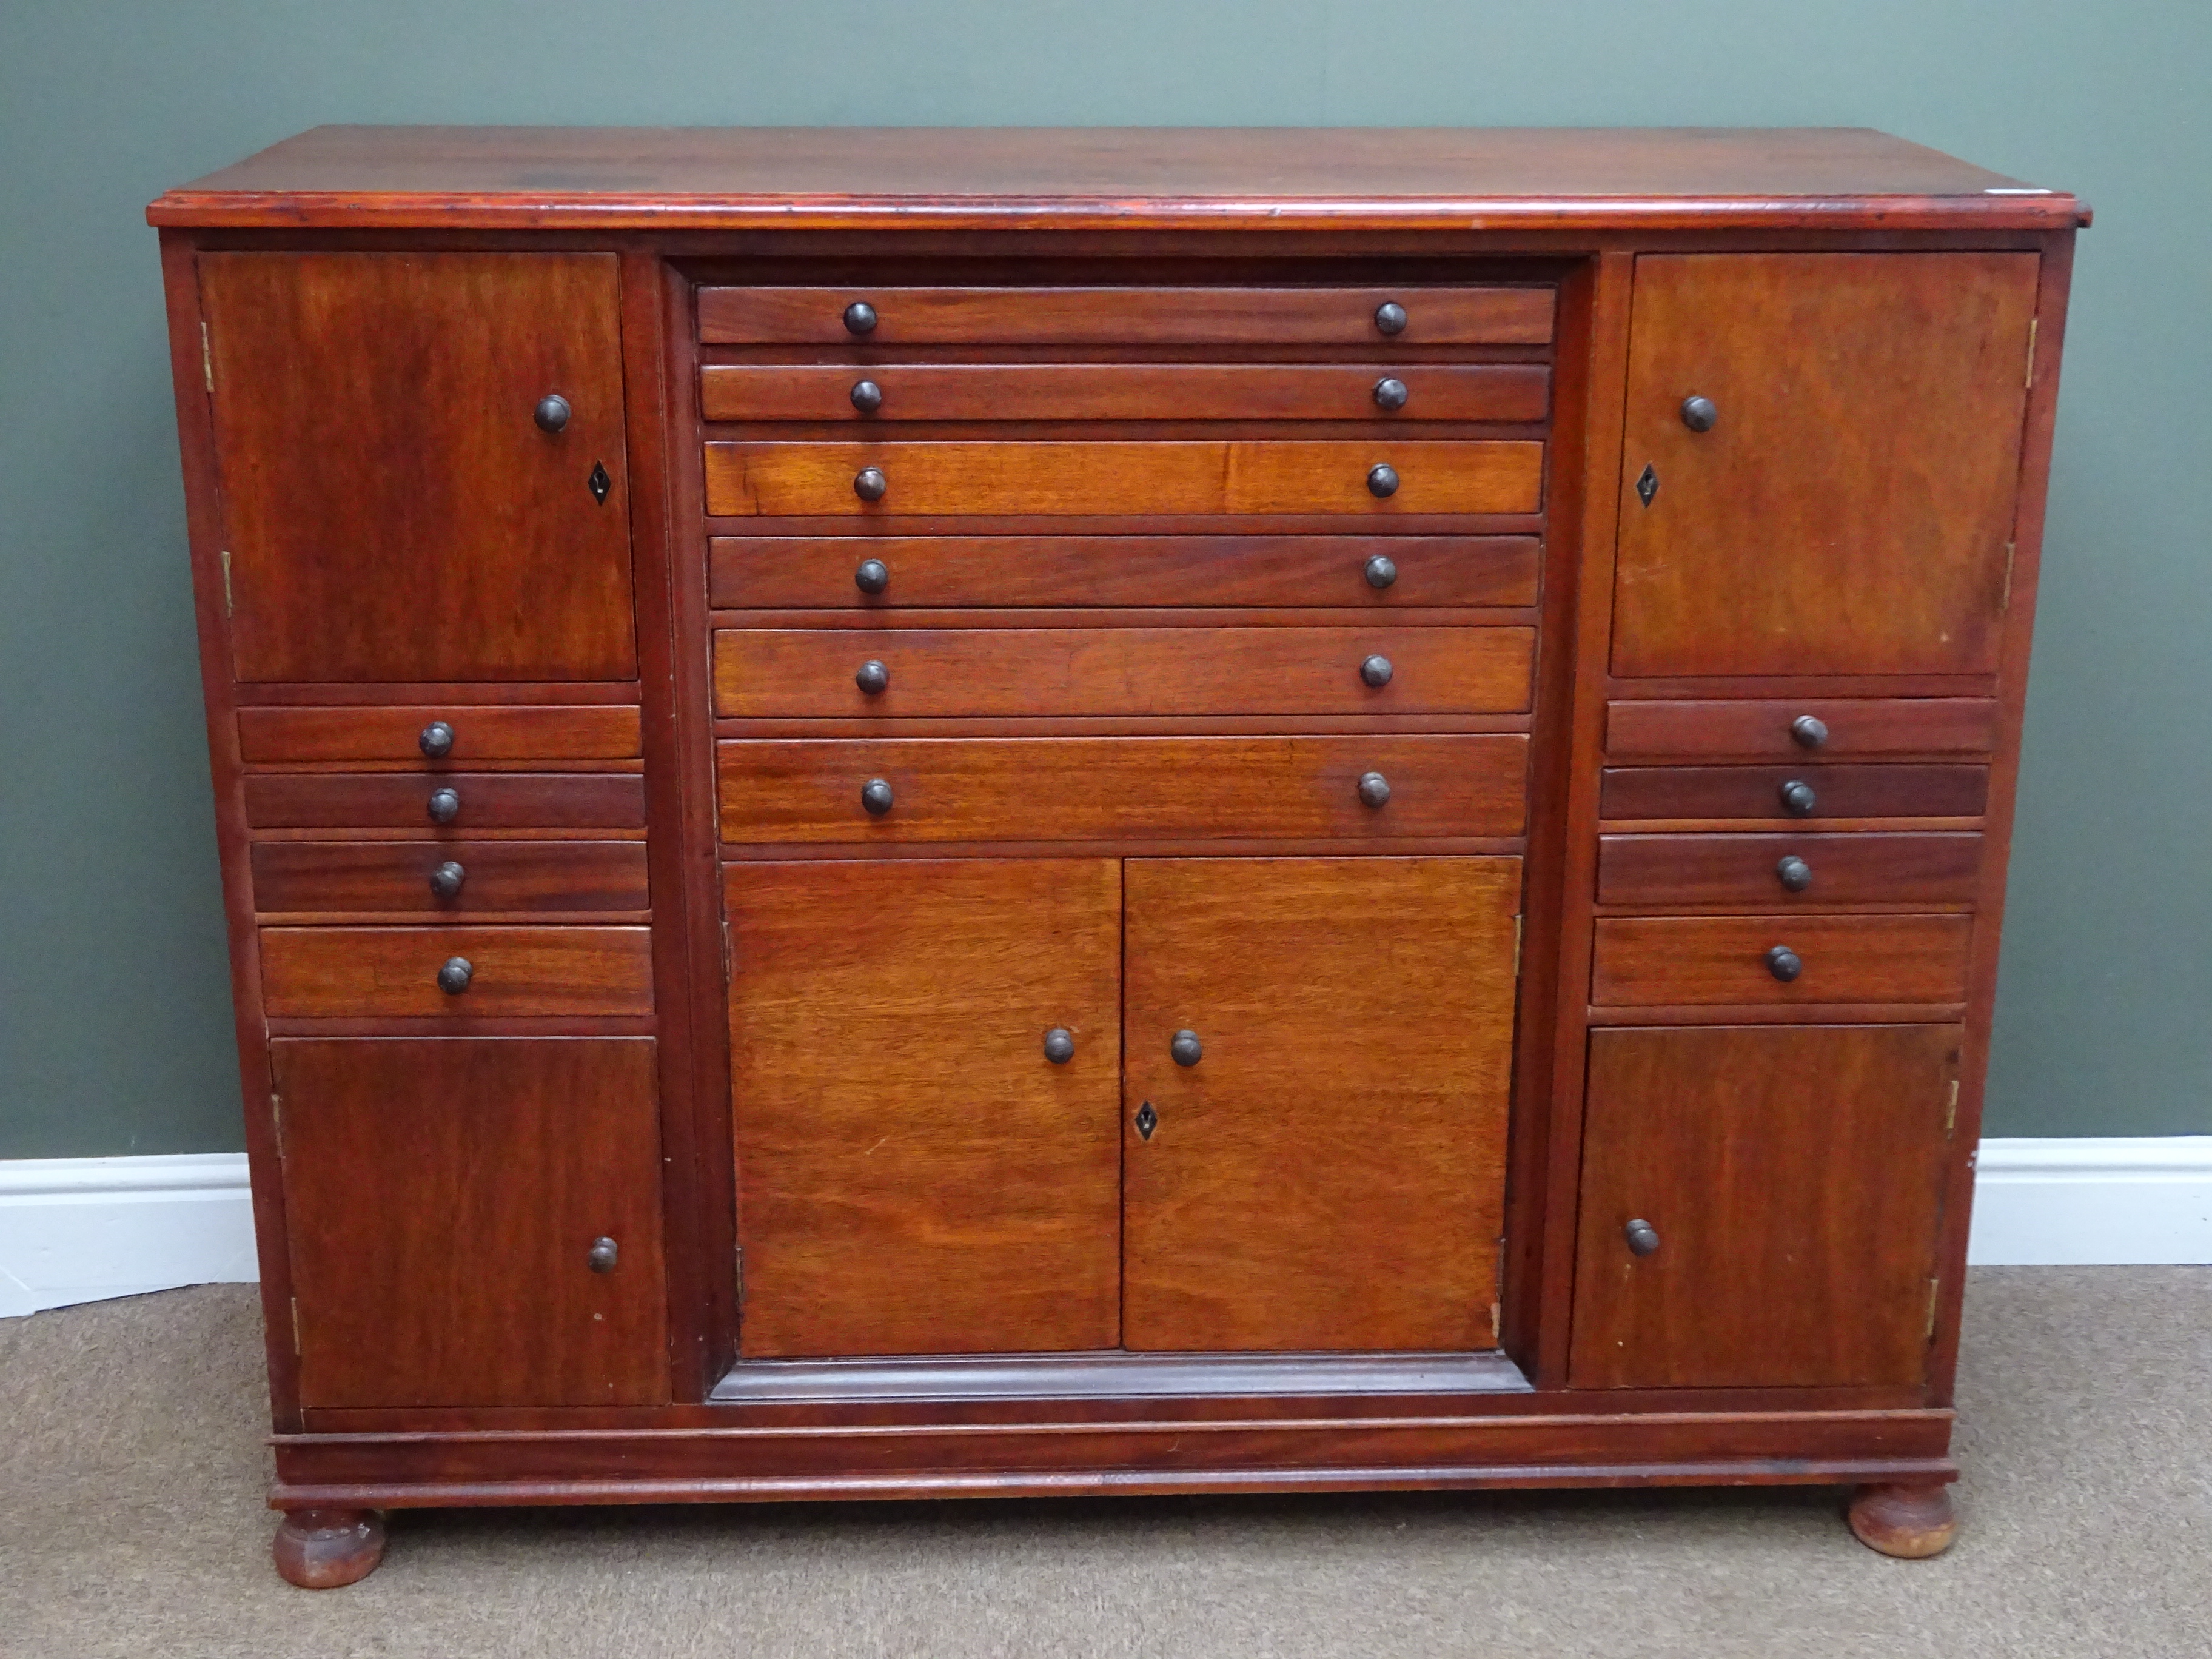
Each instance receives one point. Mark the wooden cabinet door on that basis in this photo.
(1794, 1177)
(393, 510)
(1330, 1173)
(443, 1198)
(915, 1173)
(1849, 508)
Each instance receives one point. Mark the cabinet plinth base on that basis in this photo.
(324, 1549)
(1909, 1522)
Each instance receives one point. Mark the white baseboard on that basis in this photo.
(83, 1229)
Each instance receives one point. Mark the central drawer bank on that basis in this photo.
(937, 814)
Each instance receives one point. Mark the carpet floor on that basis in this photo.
(131, 1522)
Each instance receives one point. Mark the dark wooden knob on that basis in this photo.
(1382, 480)
(1059, 1045)
(874, 678)
(1376, 671)
(552, 412)
(1809, 731)
(1643, 1237)
(872, 576)
(446, 879)
(1794, 874)
(1784, 963)
(869, 483)
(1381, 571)
(604, 1254)
(437, 741)
(867, 396)
(859, 318)
(453, 978)
(1390, 317)
(444, 805)
(1797, 798)
(1373, 788)
(1699, 414)
(1187, 1048)
(876, 796)
(1390, 393)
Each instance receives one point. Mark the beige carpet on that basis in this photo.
(132, 1522)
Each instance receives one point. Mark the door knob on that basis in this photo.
(1794, 874)
(859, 318)
(1699, 414)
(1808, 731)
(1797, 798)
(1373, 788)
(872, 679)
(604, 1254)
(453, 978)
(446, 879)
(1643, 1237)
(867, 396)
(872, 576)
(437, 741)
(444, 805)
(1390, 317)
(1382, 480)
(1059, 1045)
(1377, 670)
(869, 483)
(1381, 571)
(1187, 1048)
(876, 796)
(1784, 963)
(552, 412)
(1390, 393)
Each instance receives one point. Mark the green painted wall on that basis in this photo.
(114, 1029)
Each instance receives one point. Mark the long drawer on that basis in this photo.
(1821, 870)
(482, 800)
(1125, 391)
(496, 731)
(430, 878)
(1094, 788)
(923, 672)
(336, 973)
(888, 572)
(1386, 478)
(1801, 728)
(873, 316)
(1663, 961)
(1827, 792)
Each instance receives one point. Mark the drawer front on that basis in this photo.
(1110, 788)
(1114, 391)
(487, 801)
(803, 571)
(1801, 728)
(1123, 316)
(1123, 670)
(504, 731)
(338, 973)
(1756, 792)
(1679, 961)
(1061, 480)
(296, 876)
(1863, 869)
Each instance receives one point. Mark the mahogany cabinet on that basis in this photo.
(934, 813)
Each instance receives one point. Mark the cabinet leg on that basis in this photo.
(322, 1549)
(1911, 1521)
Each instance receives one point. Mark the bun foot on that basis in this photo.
(1911, 1521)
(322, 1549)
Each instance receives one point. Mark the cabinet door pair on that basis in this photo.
(1168, 1104)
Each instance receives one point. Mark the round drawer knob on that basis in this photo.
(1699, 414)
(446, 881)
(1797, 798)
(1794, 874)
(867, 396)
(859, 318)
(1390, 317)
(1808, 731)
(874, 678)
(876, 796)
(604, 1254)
(437, 741)
(1784, 963)
(1390, 393)
(1373, 788)
(869, 483)
(1643, 1237)
(453, 978)
(1382, 480)
(1059, 1045)
(1187, 1048)
(1377, 670)
(444, 805)
(1381, 571)
(552, 412)
(872, 576)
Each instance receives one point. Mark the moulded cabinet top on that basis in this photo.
(1108, 178)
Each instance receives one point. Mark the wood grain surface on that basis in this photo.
(342, 972)
(332, 876)
(1668, 960)
(1760, 729)
(1929, 868)
(490, 801)
(1755, 792)
(499, 732)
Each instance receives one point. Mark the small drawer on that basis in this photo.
(414, 800)
(430, 878)
(1793, 792)
(1519, 393)
(868, 573)
(929, 671)
(1686, 961)
(1388, 477)
(1802, 728)
(1037, 789)
(340, 973)
(866, 318)
(1797, 870)
(497, 732)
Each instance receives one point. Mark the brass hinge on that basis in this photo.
(276, 1120)
(727, 971)
(741, 1281)
(2004, 599)
(1493, 1325)
(1516, 947)
(227, 606)
(207, 359)
(1951, 1110)
(295, 1324)
(2032, 324)
(1934, 1285)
